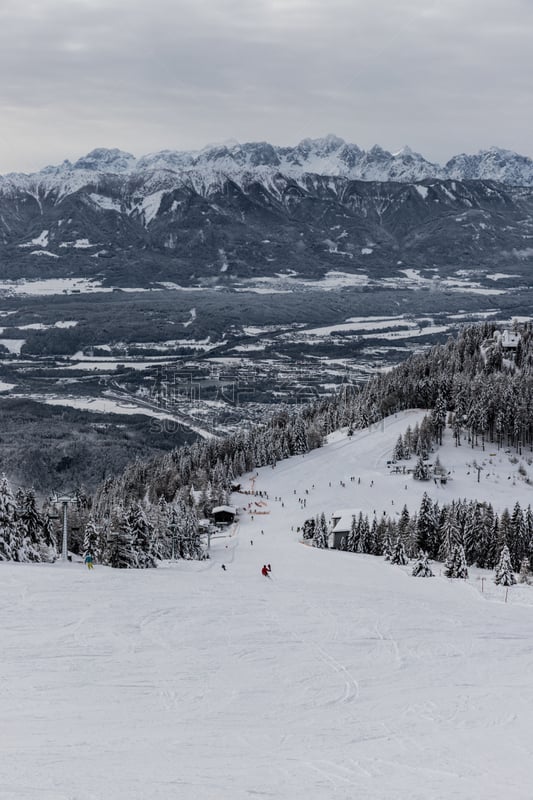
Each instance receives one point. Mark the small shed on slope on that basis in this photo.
(224, 515)
(341, 525)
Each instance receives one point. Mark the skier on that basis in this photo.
(251, 542)
(89, 561)
(224, 567)
(264, 571)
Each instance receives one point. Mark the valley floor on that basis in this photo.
(340, 677)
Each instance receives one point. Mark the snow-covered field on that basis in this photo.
(341, 677)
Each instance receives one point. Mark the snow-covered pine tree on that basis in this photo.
(363, 530)
(455, 565)
(308, 528)
(379, 537)
(192, 544)
(142, 537)
(528, 519)
(422, 569)
(159, 518)
(426, 529)
(353, 537)
(181, 530)
(374, 538)
(504, 575)
(398, 554)
(449, 533)
(438, 417)
(299, 435)
(472, 529)
(404, 527)
(484, 537)
(8, 522)
(407, 442)
(415, 436)
(118, 552)
(29, 528)
(387, 546)
(398, 453)
(462, 569)
(525, 571)
(421, 471)
(198, 551)
(519, 545)
(91, 541)
(48, 535)
(321, 533)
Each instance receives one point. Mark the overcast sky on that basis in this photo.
(444, 76)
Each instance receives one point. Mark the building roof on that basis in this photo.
(510, 339)
(227, 509)
(345, 522)
(507, 338)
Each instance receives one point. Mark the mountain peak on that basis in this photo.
(324, 145)
(108, 160)
(406, 151)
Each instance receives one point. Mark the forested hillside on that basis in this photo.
(479, 384)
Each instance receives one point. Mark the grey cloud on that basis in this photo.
(442, 76)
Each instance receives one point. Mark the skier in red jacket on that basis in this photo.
(264, 571)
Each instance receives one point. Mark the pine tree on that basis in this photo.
(191, 537)
(379, 537)
(398, 554)
(363, 534)
(321, 533)
(387, 547)
(426, 527)
(461, 567)
(308, 529)
(528, 520)
(91, 541)
(518, 546)
(484, 540)
(421, 471)
(28, 528)
(9, 533)
(398, 453)
(455, 566)
(352, 542)
(439, 417)
(299, 436)
(422, 569)
(142, 536)
(525, 571)
(404, 527)
(504, 571)
(450, 534)
(119, 551)
(48, 534)
(472, 530)
(159, 520)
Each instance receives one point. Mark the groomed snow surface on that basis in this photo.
(340, 677)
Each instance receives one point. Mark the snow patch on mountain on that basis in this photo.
(104, 202)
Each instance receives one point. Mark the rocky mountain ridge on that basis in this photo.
(330, 156)
(235, 212)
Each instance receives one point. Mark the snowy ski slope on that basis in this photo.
(340, 678)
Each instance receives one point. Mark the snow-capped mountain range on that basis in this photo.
(232, 211)
(330, 156)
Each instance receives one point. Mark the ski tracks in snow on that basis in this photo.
(351, 685)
